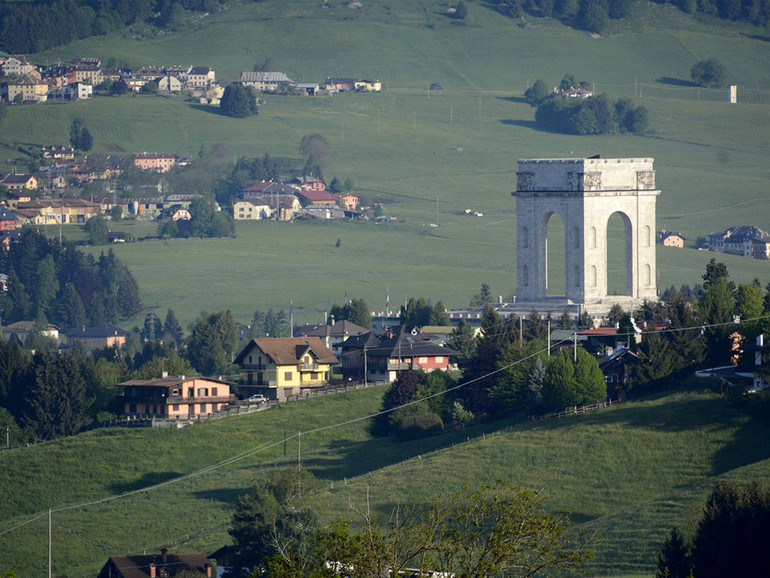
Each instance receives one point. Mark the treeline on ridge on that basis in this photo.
(28, 27)
(594, 15)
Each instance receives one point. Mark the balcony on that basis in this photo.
(308, 367)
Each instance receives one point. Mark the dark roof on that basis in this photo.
(339, 329)
(399, 344)
(6, 215)
(17, 179)
(289, 350)
(173, 380)
(97, 331)
(139, 566)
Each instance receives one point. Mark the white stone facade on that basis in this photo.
(585, 193)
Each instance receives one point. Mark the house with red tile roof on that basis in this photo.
(281, 366)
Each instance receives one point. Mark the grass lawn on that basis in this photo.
(626, 473)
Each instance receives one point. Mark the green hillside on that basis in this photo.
(435, 153)
(626, 473)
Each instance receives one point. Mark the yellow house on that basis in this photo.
(368, 86)
(282, 366)
(30, 88)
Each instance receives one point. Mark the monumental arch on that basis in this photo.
(585, 193)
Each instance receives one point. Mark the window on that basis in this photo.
(287, 376)
(175, 407)
(249, 358)
(202, 392)
(314, 375)
(214, 391)
(203, 408)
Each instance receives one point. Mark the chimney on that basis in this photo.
(164, 555)
(152, 570)
(207, 567)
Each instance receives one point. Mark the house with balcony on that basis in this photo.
(380, 356)
(175, 396)
(281, 366)
(332, 334)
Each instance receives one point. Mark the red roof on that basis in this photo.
(599, 331)
(317, 196)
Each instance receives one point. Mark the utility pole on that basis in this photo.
(549, 337)
(366, 381)
(50, 534)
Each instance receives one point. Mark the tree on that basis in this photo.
(239, 101)
(708, 73)
(497, 529)
(461, 10)
(716, 311)
(56, 396)
(589, 379)
(483, 297)
(119, 87)
(729, 538)
(97, 229)
(674, 557)
(750, 307)
(356, 311)
(538, 92)
(86, 140)
(317, 146)
(169, 229)
(212, 343)
(275, 519)
(116, 213)
(45, 286)
(463, 340)
(172, 330)
(76, 129)
(559, 383)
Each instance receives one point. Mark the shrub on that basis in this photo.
(417, 426)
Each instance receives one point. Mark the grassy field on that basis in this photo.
(434, 154)
(626, 473)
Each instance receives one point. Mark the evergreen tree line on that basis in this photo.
(30, 27)
(729, 539)
(51, 394)
(595, 15)
(63, 285)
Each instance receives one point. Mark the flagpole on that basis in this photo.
(291, 318)
(387, 304)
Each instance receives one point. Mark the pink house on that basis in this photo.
(175, 396)
(350, 202)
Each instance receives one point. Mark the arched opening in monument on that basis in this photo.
(555, 255)
(620, 274)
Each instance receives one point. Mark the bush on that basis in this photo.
(417, 426)
(708, 73)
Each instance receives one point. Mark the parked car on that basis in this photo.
(257, 398)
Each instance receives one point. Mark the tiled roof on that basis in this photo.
(339, 329)
(289, 350)
(172, 380)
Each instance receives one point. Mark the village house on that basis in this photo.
(160, 162)
(8, 220)
(266, 81)
(169, 83)
(98, 336)
(17, 66)
(164, 565)
(19, 184)
(78, 91)
(172, 397)
(306, 183)
(311, 89)
(199, 77)
(315, 198)
(281, 366)
(251, 211)
(58, 152)
(22, 329)
(28, 88)
(88, 74)
(349, 201)
(670, 239)
(332, 334)
(64, 211)
(381, 356)
(367, 86)
(340, 84)
(748, 241)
